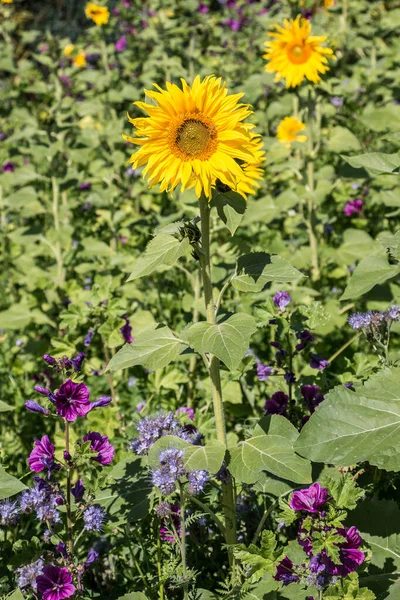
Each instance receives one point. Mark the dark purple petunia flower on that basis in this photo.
(120, 45)
(42, 456)
(312, 396)
(72, 400)
(33, 406)
(8, 167)
(86, 185)
(284, 572)
(126, 331)
(281, 300)
(319, 363)
(55, 583)
(277, 404)
(100, 444)
(310, 499)
(263, 372)
(78, 490)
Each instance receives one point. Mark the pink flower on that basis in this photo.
(309, 500)
(100, 444)
(42, 456)
(353, 207)
(120, 45)
(55, 583)
(72, 400)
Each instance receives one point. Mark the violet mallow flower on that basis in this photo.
(55, 583)
(92, 557)
(8, 167)
(284, 572)
(319, 363)
(281, 300)
(276, 405)
(100, 444)
(310, 499)
(312, 396)
(263, 372)
(126, 331)
(72, 400)
(42, 456)
(353, 207)
(120, 45)
(78, 490)
(33, 406)
(183, 410)
(350, 555)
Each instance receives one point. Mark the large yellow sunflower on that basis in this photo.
(295, 54)
(99, 14)
(195, 136)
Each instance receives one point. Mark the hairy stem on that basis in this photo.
(68, 499)
(183, 541)
(193, 359)
(228, 494)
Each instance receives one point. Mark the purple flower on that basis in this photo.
(263, 372)
(350, 555)
(86, 185)
(284, 572)
(93, 518)
(353, 207)
(62, 549)
(277, 404)
(33, 406)
(318, 363)
(203, 8)
(43, 47)
(49, 359)
(120, 45)
(151, 429)
(9, 512)
(102, 401)
(164, 509)
(305, 338)
(281, 300)
(92, 557)
(126, 331)
(171, 470)
(310, 499)
(197, 481)
(8, 167)
(360, 320)
(55, 583)
(312, 396)
(77, 361)
(290, 377)
(72, 400)
(42, 456)
(28, 573)
(100, 444)
(66, 81)
(336, 101)
(88, 338)
(393, 313)
(185, 411)
(41, 390)
(78, 490)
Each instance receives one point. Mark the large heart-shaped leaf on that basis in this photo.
(9, 485)
(255, 270)
(164, 249)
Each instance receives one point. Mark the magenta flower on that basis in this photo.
(55, 583)
(120, 45)
(277, 404)
(8, 167)
(203, 8)
(72, 400)
(42, 456)
(350, 556)
(284, 572)
(353, 207)
(309, 500)
(185, 411)
(319, 363)
(100, 444)
(126, 331)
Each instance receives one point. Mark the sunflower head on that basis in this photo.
(288, 130)
(7, 1)
(295, 54)
(329, 3)
(98, 14)
(79, 60)
(194, 136)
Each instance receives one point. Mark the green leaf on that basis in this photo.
(342, 140)
(391, 243)
(255, 270)
(4, 407)
(133, 596)
(152, 348)
(9, 485)
(371, 271)
(231, 207)
(351, 427)
(164, 443)
(127, 499)
(208, 457)
(260, 560)
(164, 249)
(375, 162)
(356, 245)
(271, 449)
(344, 491)
(228, 340)
(16, 595)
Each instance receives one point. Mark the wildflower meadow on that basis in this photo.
(200, 300)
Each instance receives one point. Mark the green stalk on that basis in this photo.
(183, 541)
(311, 222)
(228, 494)
(68, 499)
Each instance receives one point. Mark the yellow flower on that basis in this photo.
(79, 60)
(68, 50)
(329, 3)
(98, 14)
(194, 137)
(288, 129)
(7, 1)
(295, 54)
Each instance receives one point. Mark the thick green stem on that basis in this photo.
(311, 222)
(193, 359)
(159, 571)
(58, 251)
(183, 541)
(228, 493)
(68, 499)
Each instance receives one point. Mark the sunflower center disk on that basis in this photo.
(298, 54)
(193, 137)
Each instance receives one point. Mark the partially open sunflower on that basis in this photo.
(195, 137)
(295, 54)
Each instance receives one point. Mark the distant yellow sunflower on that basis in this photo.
(295, 54)
(98, 14)
(288, 130)
(68, 50)
(7, 1)
(194, 137)
(329, 3)
(79, 60)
